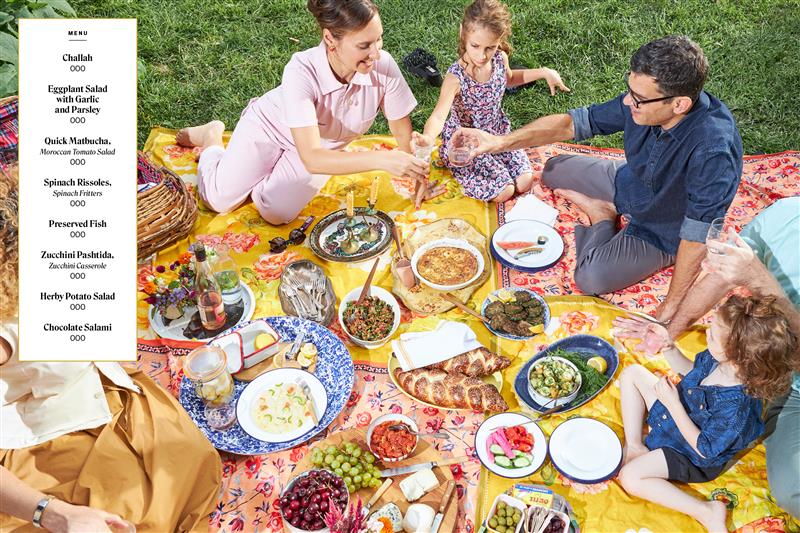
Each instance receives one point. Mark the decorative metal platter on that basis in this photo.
(333, 230)
(174, 329)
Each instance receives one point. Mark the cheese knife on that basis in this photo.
(437, 521)
(401, 470)
(375, 497)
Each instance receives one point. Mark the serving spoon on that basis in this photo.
(406, 427)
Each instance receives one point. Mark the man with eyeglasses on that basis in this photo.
(683, 162)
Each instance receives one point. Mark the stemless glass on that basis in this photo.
(718, 236)
(459, 150)
(226, 274)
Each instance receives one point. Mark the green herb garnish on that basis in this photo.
(591, 380)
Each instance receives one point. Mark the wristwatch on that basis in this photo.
(40, 507)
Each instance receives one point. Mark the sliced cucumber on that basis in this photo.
(518, 453)
(496, 449)
(521, 462)
(503, 461)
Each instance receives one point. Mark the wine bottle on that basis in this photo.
(209, 295)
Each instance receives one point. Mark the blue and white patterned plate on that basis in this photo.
(509, 336)
(334, 369)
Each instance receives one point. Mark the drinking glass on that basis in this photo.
(226, 274)
(718, 235)
(459, 149)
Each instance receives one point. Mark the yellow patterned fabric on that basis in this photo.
(606, 506)
(602, 507)
(247, 234)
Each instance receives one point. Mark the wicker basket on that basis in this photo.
(165, 212)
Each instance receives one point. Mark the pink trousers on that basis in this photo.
(253, 165)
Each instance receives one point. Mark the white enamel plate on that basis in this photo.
(260, 385)
(585, 450)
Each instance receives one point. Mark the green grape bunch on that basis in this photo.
(350, 462)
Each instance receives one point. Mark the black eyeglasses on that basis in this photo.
(296, 236)
(639, 103)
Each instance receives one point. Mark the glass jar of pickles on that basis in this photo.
(207, 368)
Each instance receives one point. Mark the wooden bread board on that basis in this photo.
(423, 453)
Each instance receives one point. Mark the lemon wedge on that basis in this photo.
(505, 295)
(598, 363)
(307, 355)
(539, 328)
(263, 340)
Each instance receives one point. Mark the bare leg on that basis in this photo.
(209, 134)
(524, 182)
(646, 477)
(505, 194)
(637, 397)
(597, 210)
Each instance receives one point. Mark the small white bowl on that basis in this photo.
(546, 401)
(453, 243)
(376, 292)
(392, 417)
(250, 355)
(564, 518)
(510, 502)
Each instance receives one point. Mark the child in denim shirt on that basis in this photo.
(714, 413)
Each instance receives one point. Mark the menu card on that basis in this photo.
(77, 157)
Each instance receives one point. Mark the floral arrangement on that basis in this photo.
(354, 521)
(350, 522)
(171, 292)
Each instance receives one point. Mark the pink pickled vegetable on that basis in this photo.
(500, 438)
(489, 442)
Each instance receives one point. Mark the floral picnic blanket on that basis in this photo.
(251, 484)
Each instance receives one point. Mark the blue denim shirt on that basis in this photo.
(728, 418)
(675, 181)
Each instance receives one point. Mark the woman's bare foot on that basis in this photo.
(713, 518)
(505, 194)
(524, 183)
(632, 451)
(597, 210)
(209, 134)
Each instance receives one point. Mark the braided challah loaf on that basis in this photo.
(475, 363)
(455, 391)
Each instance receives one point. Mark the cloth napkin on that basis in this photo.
(447, 340)
(529, 207)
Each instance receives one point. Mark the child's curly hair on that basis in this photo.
(761, 344)
(490, 14)
(9, 251)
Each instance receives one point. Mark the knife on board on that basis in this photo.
(437, 521)
(401, 470)
(375, 497)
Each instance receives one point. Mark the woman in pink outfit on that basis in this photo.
(288, 142)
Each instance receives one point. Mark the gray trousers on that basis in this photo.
(607, 260)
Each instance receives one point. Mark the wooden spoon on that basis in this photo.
(455, 301)
(365, 290)
(403, 265)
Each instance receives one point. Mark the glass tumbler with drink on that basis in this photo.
(718, 236)
(459, 149)
(226, 274)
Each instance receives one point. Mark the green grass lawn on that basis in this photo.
(201, 60)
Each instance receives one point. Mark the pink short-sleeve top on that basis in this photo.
(310, 95)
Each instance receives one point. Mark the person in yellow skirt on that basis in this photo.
(91, 446)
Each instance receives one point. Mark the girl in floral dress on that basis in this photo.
(472, 94)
